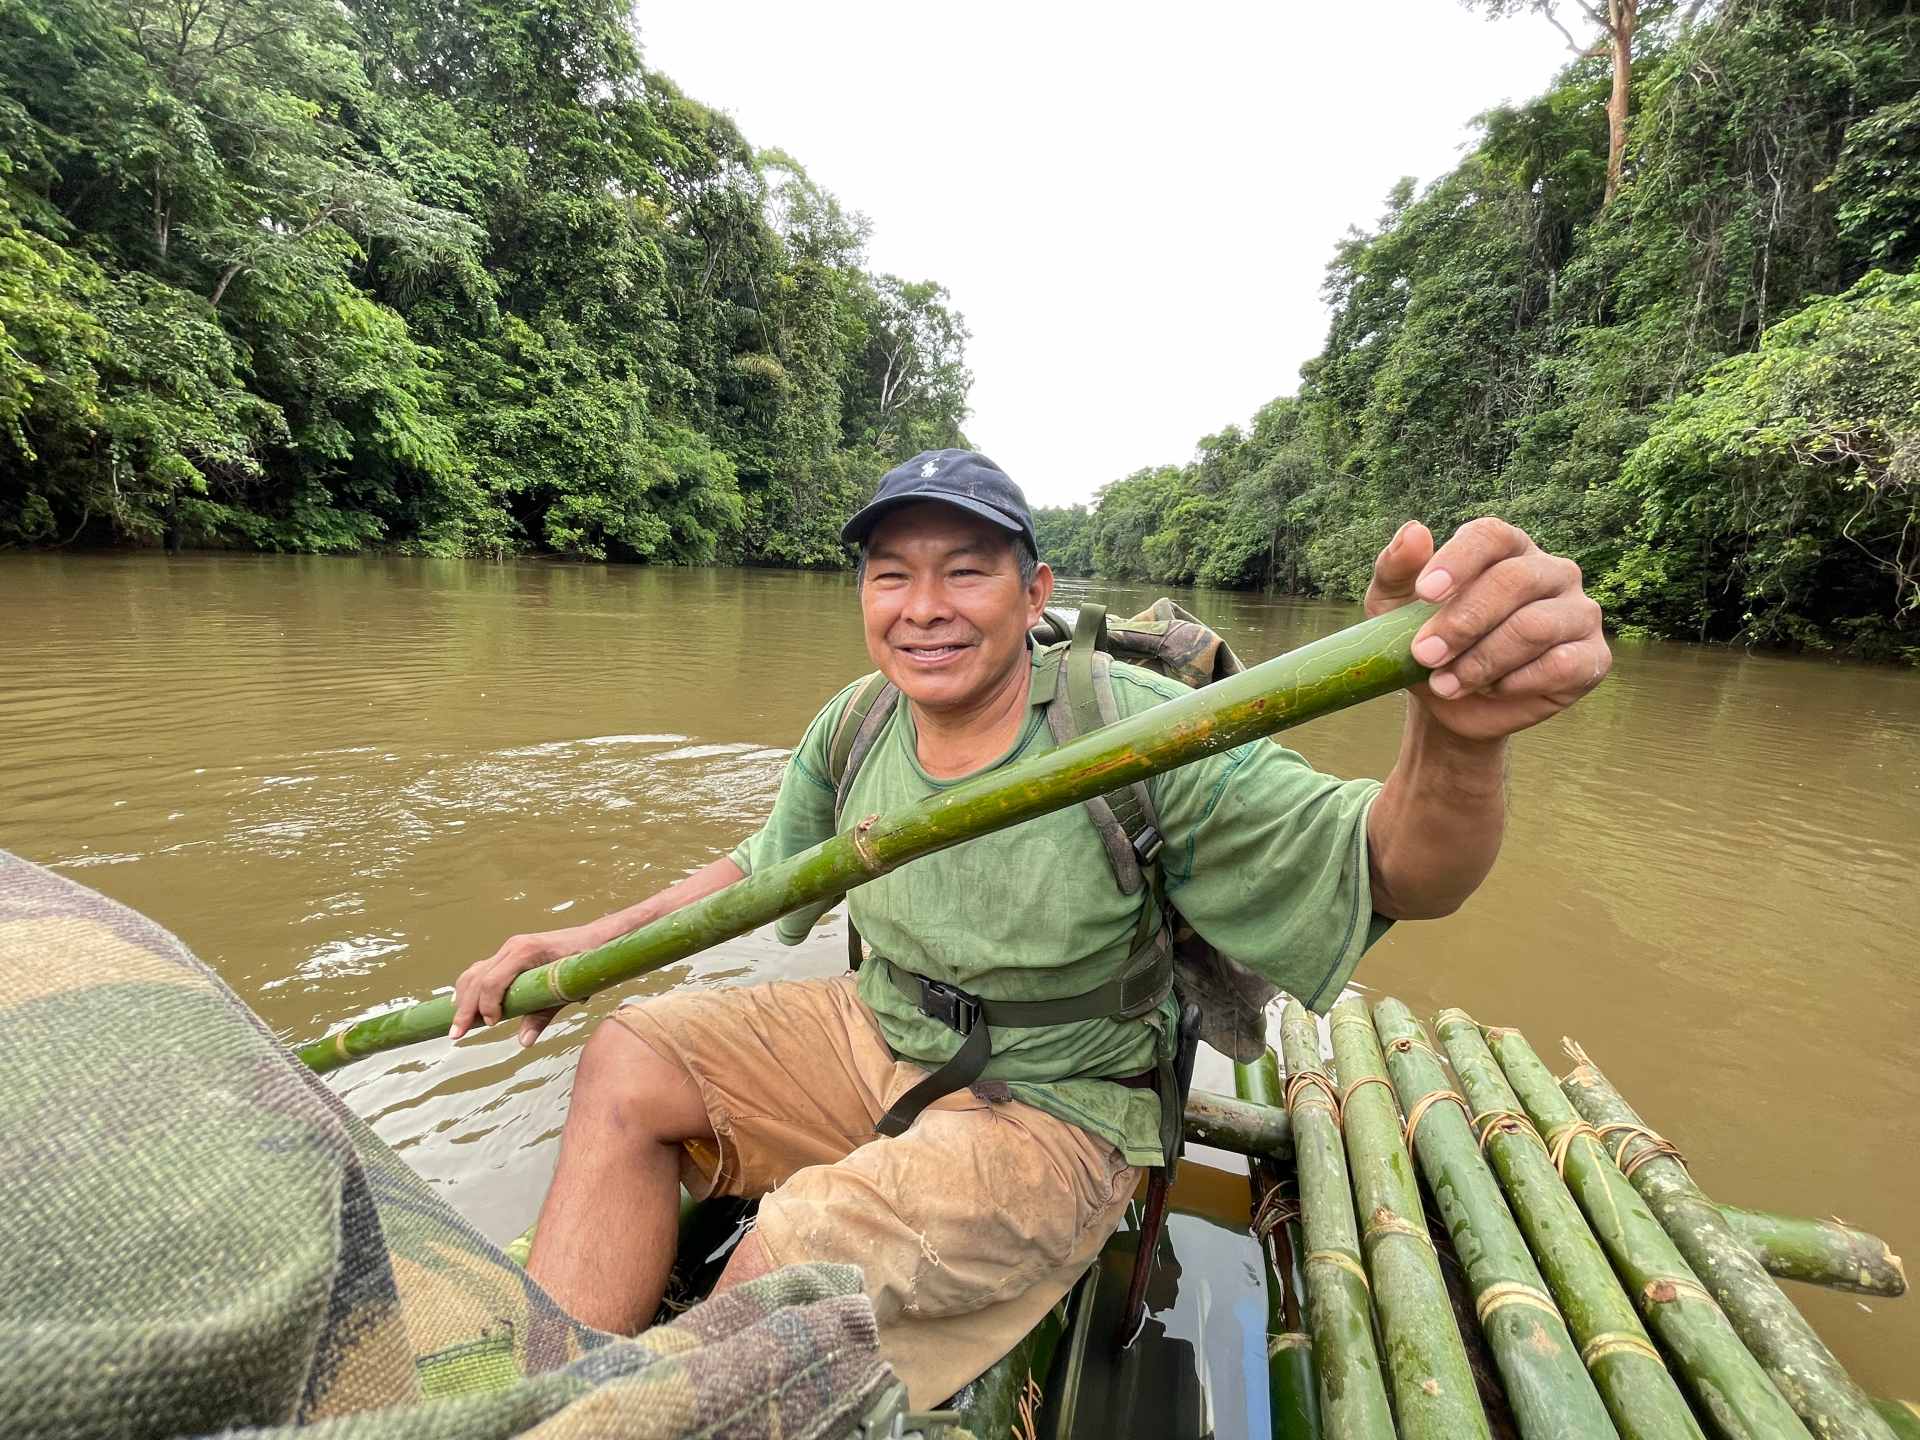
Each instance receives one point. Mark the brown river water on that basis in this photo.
(342, 780)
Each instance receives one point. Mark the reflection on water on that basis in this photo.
(341, 781)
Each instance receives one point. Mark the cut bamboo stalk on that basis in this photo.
(1731, 1393)
(1639, 1393)
(1293, 1401)
(1230, 1124)
(1549, 1388)
(1353, 1385)
(1432, 1386)
(1797, 1360)
(1819, 1252)
(1359, 663)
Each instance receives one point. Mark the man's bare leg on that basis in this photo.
(605, 1243)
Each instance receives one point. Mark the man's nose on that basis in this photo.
(927, 601)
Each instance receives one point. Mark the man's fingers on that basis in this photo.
(1523, 637)
(1476, 547)
(1566, 672)
(1397, 566)
(1477, 608)
(532, 1025)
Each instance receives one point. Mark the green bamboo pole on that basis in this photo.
(1293, 1402)
(1819, 1252)
(1246, 1129)
(1433, 1389)
(1359, 663)
(1638, 1391)
(1798, 1362)
(1353, 1388)
(1902, 1415)
(1549, 1388)
(1731, 1393)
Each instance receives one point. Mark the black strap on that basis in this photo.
(1137, 991)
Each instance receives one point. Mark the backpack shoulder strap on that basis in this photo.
(859, 726)
(1125, 818)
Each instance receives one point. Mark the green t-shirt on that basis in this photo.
(1265, 857)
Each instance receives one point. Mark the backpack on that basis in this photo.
(1167, 640)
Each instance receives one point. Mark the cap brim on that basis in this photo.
(856, 530)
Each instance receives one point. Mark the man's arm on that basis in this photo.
(482, 986)
(1516, 641)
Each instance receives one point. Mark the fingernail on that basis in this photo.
(525, 1039)
(1433, 584)
(1399, 535)
(1430, 651)
(453, 1032)
(1445, 684)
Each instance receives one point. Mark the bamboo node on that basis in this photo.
(554, 987)
(1290, 1340)
(340, 1042)
(1385, 1222)
(1502, 1293)
(1407, 1043)
(1653, 1143)
(1425, 1103)
(1344, 1261)
(1617, 1342)
(1503, 1122)
(1561, 1141)
(863, 846)
(1311, 1080)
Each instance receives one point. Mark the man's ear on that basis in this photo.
(1039, 592)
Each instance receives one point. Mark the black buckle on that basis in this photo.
(951, 1006)
(1147, 845)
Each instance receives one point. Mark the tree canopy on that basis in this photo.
(1706, 390)
(451, 277)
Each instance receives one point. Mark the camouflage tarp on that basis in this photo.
(196, 1236)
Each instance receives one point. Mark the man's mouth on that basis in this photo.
(932, 654)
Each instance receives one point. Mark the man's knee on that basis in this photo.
(628, 1086)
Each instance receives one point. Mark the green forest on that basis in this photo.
(1696, 369)
(468, 277)
(434, 276)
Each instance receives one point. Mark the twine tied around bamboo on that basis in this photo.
(1561, 1140)
(1617, 1342)
(1311, 1080)
(1275, 1210)
(1426, 1102)
(1503, 1122)
(1653, 1144)
(1385, 1222)
(1343, 1261)
(1346, 1095)
(1503, 1293)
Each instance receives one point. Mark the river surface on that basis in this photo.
(342, 780)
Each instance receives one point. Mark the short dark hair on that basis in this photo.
(1029, 562)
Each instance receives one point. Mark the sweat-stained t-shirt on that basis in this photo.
(1265, 857)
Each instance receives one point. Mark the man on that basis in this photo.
(970, 1217)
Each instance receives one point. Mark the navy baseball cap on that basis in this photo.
(964, 478)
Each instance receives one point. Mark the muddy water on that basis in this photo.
(342, 780)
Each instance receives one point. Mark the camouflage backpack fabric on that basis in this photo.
(1169, 641)
(197, 1237)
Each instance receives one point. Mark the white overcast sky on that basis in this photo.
(1133, 207)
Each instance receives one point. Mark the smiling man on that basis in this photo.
(973, 1183)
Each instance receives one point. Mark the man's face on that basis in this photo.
(945, 613)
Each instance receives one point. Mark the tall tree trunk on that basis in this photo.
(1621, 16)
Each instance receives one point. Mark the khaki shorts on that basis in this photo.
(968, 1228)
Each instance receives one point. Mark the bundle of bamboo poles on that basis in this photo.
(1613, 1297)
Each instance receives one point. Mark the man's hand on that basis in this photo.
(482, 987)
(1516, 639)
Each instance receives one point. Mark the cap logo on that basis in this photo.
(930, 469)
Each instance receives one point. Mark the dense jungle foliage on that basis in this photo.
(1706, 391)
(442, 276)
(467, 277)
